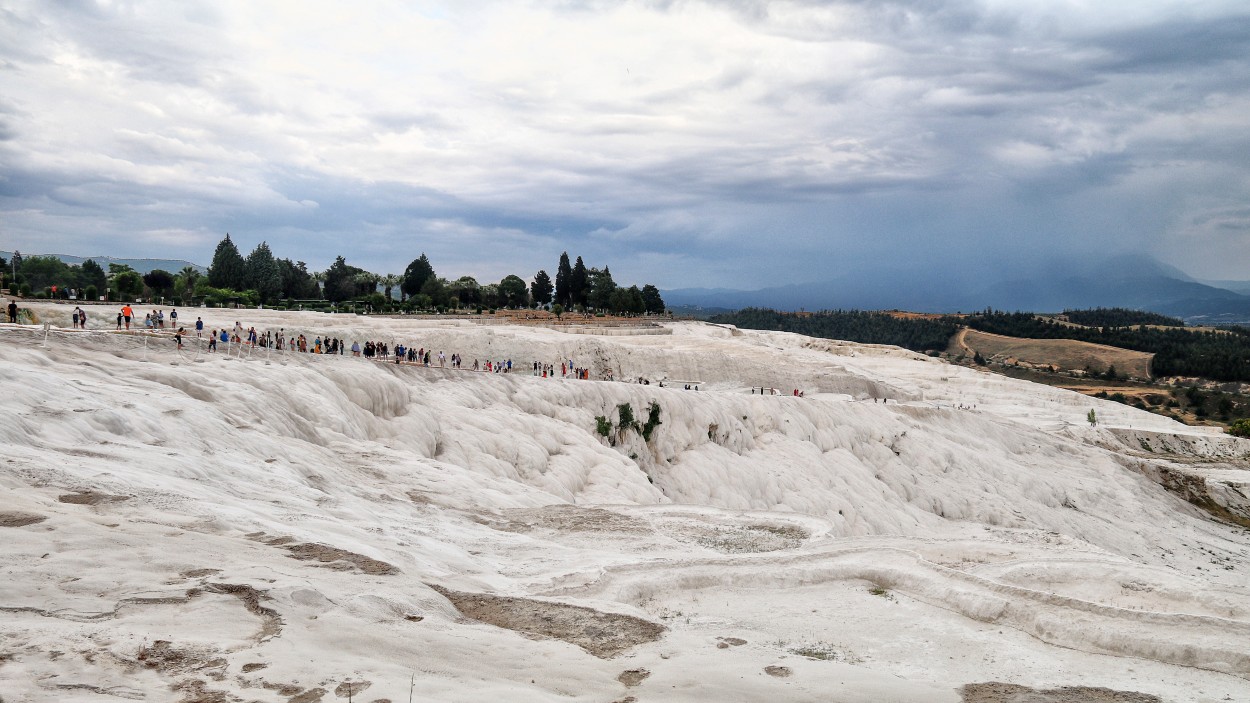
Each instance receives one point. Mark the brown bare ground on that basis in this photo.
(1065, 354)
(995, 692)
(271, 622)
(602, 634)
(571, 518)
(168, 659)
(333, 557)
(324, 554)
(633, 677)
(90, 498)
(19, 519)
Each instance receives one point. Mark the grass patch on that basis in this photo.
(603, 425)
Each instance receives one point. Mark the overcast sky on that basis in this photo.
(740, 143)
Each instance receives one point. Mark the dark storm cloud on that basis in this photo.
(1181, 43)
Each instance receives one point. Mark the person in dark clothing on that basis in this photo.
(13, 311)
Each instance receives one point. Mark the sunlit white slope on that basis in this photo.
(997, 531)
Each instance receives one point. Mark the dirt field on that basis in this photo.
(994, 692)
(1065, 354)
(602, 634)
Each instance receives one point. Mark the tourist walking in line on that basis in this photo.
(127, 313)
(173, 318)
(74, 318)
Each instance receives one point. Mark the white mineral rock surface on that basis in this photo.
(190, 526)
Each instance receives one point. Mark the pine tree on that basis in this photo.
(540, 289)
(564, 272)
(263, 274)
(652, 300)
(228, 269)
(579, 284)
(415, 276)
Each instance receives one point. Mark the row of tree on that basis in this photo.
(917, 334)
(1120, 317)
(1220, 355)
(262, 278)
(48, 276)
(575, 287)
(267, 279)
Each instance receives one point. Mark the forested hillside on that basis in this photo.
(1120, 317)
(923, 334)
(1222, 355)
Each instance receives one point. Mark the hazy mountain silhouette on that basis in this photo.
(1131, 281)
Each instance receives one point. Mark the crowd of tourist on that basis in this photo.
(299, 343)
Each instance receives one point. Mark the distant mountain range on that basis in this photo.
(139, 265)
(1132, 281)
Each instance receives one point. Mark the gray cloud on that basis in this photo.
(683, 142)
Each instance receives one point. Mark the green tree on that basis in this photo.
(564, 274)
(436, 289)
(159, 281)
(389, 282)
(466, 290)
(263, 273)
(635, 303)
(228, 269)
(297, 282)
(513, 292)
(415, 276)
(92, 275)
(652, 302)
(128, 284)
(619, 301)
(579, 284)
(541, 289)
(15, 269)
(189, 276)
(1240, 428)
(490, 295)
(601, 288)
(44, 271)
(366, 282)
(557, 310)
(340, 281)
(1092, 418)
